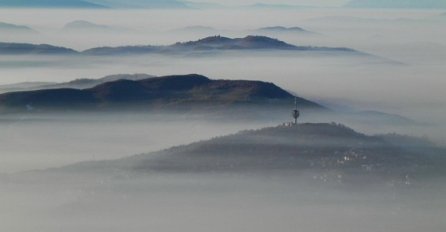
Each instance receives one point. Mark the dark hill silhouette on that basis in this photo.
(214, 43)
(82, 83)
(249, 42)
(29, 49)
(425, 4)
(159, 92)
(48, 4)
(281, 29)
(331, 151)
(13, 28)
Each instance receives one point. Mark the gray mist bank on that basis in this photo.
(117, 199)
(214, 202)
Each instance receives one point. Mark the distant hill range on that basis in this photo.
(169, 92)
(33, 49)
(13, 28)
(49, 4)
(327, 152)
(80, 26)
(142, 3)
(284, 30)
(432, 4)
(213, 43)
(84, 25)
(93, 4)
(82, 83)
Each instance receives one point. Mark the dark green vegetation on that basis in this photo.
(167, 92)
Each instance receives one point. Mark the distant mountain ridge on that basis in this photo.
(428, 4)
(282, 29)
(81, 83)
(142, 3)
(93, 4)
(48, 4)
(8, 27)
(83, 26)
(212, 43)
(153, 93)
(28, 49)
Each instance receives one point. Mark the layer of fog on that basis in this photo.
(413, 89)
(410, 37)
(209, 202)
(32, 142)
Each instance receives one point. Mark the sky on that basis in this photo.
(291, 2)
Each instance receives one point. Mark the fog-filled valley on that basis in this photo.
(197, 132)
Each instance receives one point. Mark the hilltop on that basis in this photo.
(33, 49)
(332, 152)
(212, 43)
(14, 28)
(426, 4)
(81, 83)
(181, 91)
(49, 4)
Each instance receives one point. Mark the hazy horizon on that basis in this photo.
(397, 87)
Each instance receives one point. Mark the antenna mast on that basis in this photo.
(296, 112)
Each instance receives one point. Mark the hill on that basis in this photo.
(93, 4)
(432, 4)
(332, 152)
(214, 43)
(33, 49)
(183, 91)
(138, 4)
(82, 83)
(82, 26)
(48, 4)
(281, 29)
(13, 28)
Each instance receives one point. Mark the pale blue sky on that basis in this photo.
(293, 2)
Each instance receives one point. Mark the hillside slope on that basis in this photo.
(332, 152)
(161, 92)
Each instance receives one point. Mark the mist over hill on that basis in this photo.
(208, 44)
(84, 25)
(427, 4)
(215, 43)
(33, 49)
(332, 152)
(14, 28)
(142, 3)
(282, 29)
(48, 4)
(80, 83)
(93, 4)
